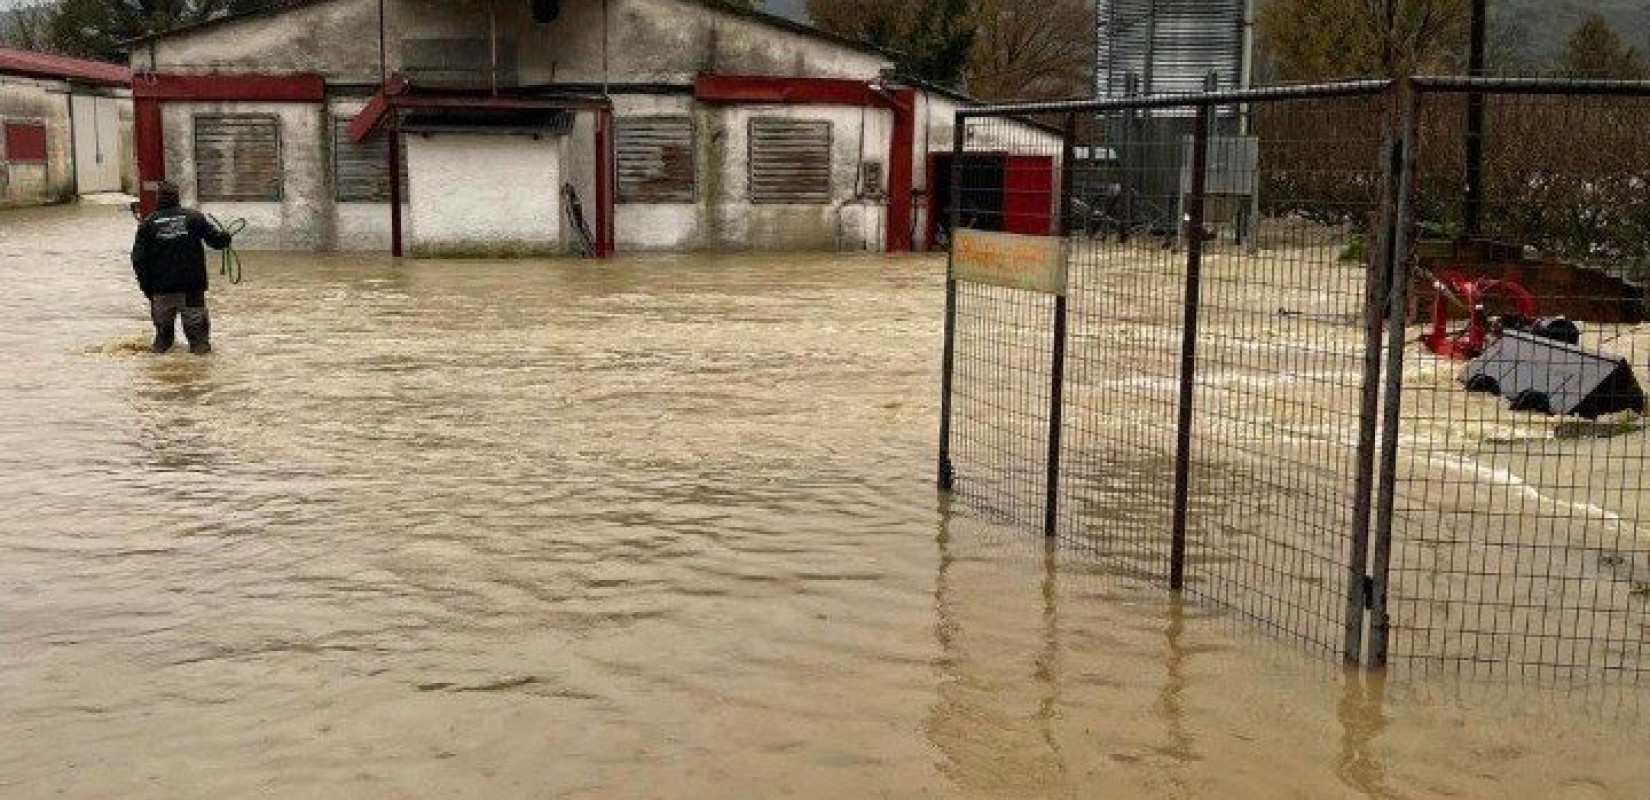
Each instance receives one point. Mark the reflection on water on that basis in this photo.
(654, 527)
(1363, 720)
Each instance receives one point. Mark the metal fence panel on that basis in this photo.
(1387, 393)
(1519, 533)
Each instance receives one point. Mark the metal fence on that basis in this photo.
(1226, 386)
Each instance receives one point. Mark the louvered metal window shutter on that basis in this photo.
(790, 161)
(656, 163)
(361, 171)
(238, 157)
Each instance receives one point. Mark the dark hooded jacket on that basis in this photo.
(168, 256)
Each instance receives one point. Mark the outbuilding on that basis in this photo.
(65, 128)
(497, 127)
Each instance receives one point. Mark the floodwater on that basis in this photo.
(659, 527)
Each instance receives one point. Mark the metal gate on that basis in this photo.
(1221, 386)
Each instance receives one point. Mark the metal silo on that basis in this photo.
(1171, 46)
(1157, 47)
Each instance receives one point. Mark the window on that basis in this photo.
(25, 143)
(361, 172)
(656, 160)
(238, 157)
(790, 161)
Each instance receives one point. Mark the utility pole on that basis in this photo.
(1472, 216)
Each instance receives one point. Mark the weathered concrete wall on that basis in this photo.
(485, 195)
(724, 218)
(336, 38)
(645, 41)
(25, 100)
(303, 219)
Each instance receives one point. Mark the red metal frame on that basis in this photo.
(604, 183)
(748, 89)
(1471, 342)
(306, 88)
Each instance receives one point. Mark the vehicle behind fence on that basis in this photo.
(1303, 354)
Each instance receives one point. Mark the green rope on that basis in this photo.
(231, 267)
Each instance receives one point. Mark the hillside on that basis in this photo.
(1539, 28)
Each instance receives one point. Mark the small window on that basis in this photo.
(656, 160)
(238, 157)
(25, 143)
(790, 161)
(362, 171)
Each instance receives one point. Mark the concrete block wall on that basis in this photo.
(32, 101)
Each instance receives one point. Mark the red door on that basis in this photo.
(1028, 201)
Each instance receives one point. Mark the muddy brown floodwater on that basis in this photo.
(660, 527)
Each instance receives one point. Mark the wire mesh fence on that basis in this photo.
(1518, 528)
(1229, 387)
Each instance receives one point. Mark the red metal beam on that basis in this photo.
(307, 88)
(150, 144)
(378, 109)
(902, 170)
(604, 183)
(758, 89)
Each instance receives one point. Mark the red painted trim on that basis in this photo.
(307, 88)
(902, 171)
(758, 89)
(25, 142)
(150, 144)
(604, 183)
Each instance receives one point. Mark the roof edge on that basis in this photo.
(771, 20)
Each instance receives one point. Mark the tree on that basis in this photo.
(933, 38)
(876, 22)
(28, 27)
(97, 28)
(1307, 40)
(1596, 52)
(1037, 51)
(994, 48)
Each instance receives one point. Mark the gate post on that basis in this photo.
(1193, 223)
(1397, 343)
(1057, 374)
(1377, 280)
(948, 366)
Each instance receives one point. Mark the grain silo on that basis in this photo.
(1159, 47)
(1172, 46)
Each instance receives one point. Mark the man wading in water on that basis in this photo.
(171, 269)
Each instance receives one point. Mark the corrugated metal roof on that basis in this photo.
(29, 64)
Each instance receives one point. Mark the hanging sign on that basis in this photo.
(1015, 261)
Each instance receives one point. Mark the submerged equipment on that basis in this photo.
(231, 265)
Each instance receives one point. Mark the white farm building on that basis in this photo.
(538, 126)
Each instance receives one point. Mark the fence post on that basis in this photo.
(1377, 279)
(1397, 330)
(1057, 375)
(948, 366)
(1193, 223)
